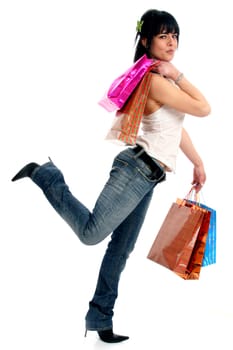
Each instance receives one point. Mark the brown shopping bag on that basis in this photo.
(177, 246)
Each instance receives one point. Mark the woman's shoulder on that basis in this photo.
(163, 91)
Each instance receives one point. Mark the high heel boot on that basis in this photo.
(108, 336)
(26, 171)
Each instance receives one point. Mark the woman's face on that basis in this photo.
(163, 46)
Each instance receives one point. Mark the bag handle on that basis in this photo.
(189, 201)
(193, 195)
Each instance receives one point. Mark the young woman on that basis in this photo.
(122, 205)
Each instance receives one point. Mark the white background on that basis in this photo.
(57, 59)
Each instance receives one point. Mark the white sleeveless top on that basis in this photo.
(161, 135)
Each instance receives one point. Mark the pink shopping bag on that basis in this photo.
(123, 86)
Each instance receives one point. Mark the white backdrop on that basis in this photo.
(56, 60)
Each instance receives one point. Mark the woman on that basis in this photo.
(122, 205)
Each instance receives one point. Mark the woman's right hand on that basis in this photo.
(168, 70)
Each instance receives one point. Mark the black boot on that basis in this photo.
(26, 171)
(109, 337)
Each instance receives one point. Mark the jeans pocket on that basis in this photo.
(121, 170)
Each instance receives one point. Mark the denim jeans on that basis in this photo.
(120, 209)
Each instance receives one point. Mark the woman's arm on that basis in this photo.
(187, 98)
(187, 147)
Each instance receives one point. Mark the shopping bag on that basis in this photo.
(209, 257)
(127, 121)
(123, 86)
(196, 260)
(174, 244)
(210, 248)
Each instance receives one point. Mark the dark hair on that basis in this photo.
(153, 22)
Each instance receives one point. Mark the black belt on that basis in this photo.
(157, 170)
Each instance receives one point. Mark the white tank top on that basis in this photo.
(161, 135)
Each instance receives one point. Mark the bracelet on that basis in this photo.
(180, 76)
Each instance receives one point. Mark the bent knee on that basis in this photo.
(90, 240)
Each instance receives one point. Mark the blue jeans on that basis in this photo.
(120, 209)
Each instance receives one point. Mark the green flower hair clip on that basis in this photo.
(139, 26)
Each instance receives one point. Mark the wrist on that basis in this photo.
(198, 163)
(179, 78)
